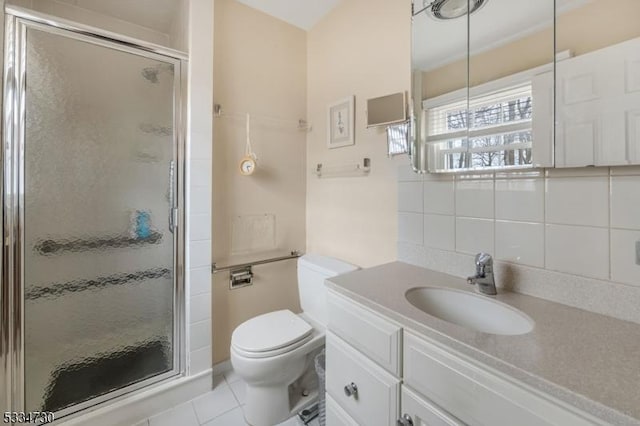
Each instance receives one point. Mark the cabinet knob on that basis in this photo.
(405, 420)
(351, 390)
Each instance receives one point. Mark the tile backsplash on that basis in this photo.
(567, 235)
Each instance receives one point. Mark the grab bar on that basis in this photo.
(294, 254)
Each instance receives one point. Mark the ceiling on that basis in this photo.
(159, 14)
(498, 22)
(301, 13)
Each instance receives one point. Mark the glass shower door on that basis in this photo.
(95, 166)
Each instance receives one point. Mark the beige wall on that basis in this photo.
(260, 68)
(591, 27)
(361, 48)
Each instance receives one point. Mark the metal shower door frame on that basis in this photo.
(17, 22)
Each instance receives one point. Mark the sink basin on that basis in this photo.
(475, 312)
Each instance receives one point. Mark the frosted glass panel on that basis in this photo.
(98, 250)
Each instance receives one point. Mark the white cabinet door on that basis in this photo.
(336, 416)
(598, 107)
(376, 400)
(371, 334)
(424, 413)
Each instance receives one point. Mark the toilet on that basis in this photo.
(273, 353)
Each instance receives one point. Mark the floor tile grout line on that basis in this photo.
(219, 415)
(235, 396)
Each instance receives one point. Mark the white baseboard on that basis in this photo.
(130, 409)
(222, 367)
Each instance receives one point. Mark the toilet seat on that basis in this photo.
(271, 334)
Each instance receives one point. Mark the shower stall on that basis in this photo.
(92, 190)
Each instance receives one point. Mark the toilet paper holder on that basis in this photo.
(240, 277)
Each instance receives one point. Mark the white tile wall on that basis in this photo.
(439, 231)
(520, 242)
(200, 280)
(199, 184)
(439, 196)
(578, 201)
(474, 198)
(200, 334)
(407, 200)
(625, 202)
(579, 250)
(474, 235)
(200, 227)
(582, 222)
(200, 359)
(200, 254)
(410, 227)
(200, 199)
(520, 199)
(200, 308)
(624, 268)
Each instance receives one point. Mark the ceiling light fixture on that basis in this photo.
(452, 9)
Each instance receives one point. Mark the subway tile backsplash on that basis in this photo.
(474, 198)
(440, 231)
(577, 227)
(578, 201)
(474, 235)
(520, 242)
(520, 199)
(625, 202)
(579, 250)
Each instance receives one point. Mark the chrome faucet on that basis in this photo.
(484, 275)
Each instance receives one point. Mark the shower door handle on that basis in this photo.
(173, 211)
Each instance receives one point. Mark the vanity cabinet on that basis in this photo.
(381, 374)
(368, 393)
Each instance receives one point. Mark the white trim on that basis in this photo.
(134, 408)
(222, 367)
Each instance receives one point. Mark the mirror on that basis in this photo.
(485, 84)
(439, 62)
(598, 83)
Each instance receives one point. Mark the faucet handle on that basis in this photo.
(483, 259)
(484, 262)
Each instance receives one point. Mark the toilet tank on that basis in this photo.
(313, 269)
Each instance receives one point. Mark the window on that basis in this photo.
(495, 131)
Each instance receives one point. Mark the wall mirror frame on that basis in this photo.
(483, 86)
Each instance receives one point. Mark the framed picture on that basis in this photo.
(340, 123)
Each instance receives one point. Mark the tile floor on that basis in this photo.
(221, 407)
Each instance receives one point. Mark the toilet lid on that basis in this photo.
(270, 331)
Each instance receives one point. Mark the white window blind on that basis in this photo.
(494, 131)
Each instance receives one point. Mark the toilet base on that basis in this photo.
(268, 404)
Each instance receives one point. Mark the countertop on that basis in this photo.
(588, 360)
